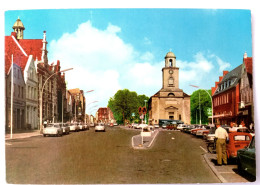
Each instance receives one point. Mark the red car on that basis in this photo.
(237, 140)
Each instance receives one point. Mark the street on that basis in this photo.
(107, 157)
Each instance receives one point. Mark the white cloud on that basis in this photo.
(102, 61)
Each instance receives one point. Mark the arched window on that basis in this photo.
(170, 62)
(171, 95)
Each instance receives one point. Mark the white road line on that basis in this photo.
(204, 149)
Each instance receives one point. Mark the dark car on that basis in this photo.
(246, 158)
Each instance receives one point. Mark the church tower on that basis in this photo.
(170, 72)
(18, 28)
(170, 103)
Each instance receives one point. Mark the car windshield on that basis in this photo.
(50, 125)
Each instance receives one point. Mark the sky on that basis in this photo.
(113, 49)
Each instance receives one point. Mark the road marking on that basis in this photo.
(204, 149)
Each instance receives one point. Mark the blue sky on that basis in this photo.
(112, 49)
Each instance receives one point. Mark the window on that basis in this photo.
(22, 92)
(170, 62)
(171, 81)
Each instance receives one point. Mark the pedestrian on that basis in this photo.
(45, 124)
(232, 128)
(221, 136)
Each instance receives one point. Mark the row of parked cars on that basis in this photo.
(240, 146)
(59, 129)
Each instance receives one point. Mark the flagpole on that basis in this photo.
(12, 93)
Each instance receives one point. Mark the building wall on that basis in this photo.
(19, 98)
(31, 81)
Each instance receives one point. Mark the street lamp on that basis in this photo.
(88, 104)
(42, 93)
(210, 99)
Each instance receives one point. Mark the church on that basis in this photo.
(170, 102)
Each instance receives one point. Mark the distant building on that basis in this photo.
(78, 104)
(169, 102)
(105, 115)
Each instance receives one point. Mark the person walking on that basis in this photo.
(221, 136)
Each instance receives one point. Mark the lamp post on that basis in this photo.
(88, 104)
(42, 94)
(210, 99)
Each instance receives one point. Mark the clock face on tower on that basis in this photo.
(170, 71)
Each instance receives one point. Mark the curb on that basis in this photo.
(219, 176)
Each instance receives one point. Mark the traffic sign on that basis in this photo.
(140, 110)
(144, 110)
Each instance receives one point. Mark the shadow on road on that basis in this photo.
(245, 175)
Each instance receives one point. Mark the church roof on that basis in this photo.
(18, 24)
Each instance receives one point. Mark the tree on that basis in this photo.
(124, 103)
(200, 104)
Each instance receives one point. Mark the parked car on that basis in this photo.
(181, 126)
(156, 126)
(86, 127)
(100, 127)
(203, 131)
(246, 158)
(81, 127)
(164, 126)
(142, 126)
(52, 129)
(74, 127)
(237, 140)
(135, 125)
(65, 128)
(171, 127)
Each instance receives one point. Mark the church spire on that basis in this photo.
(44, 49)
(18, 28)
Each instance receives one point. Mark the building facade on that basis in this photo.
(246, 106)
(105, 115)
(78, 104)
(170, 102)
(233, 95)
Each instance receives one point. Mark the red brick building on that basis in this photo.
(105, 115)
(227, 95)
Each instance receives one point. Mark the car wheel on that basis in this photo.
(44, 135)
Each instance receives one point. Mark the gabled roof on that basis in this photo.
(32, 47)
(234, 76)
(13, 48)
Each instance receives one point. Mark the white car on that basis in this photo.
(65, 128)
(135, 125)
(81, 127)
(100, 127)
(156, 126)
(74, 127)
(52, 129)
(142, 126)
(181, 126)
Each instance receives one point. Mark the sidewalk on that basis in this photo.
(22, 134)
(226, 173)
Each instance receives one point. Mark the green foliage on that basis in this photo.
(124, 103)
(200, 98)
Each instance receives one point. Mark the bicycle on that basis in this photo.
(212, 147)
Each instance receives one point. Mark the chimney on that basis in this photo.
(225, 72)
(245, 55)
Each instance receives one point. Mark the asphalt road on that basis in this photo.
(88, 158)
